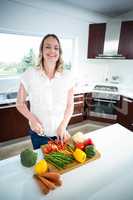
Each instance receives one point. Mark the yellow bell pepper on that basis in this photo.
(79, 155)
(41, 167)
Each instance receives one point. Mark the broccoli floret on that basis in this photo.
(28, 158)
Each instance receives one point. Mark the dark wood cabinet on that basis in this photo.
(126, 40)
(12, 124)
(88, 104)
(78, 114)
(125, 113)
(96, 39)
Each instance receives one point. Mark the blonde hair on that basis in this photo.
(59, 64)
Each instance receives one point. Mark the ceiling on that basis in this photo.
(110, 8)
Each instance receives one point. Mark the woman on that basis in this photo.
(50, 92)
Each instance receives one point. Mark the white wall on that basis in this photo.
(126, 16)
(49, 16)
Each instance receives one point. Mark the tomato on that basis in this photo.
(56, 141)
(60, 145)
(45, 150)
(54, 147)
(88, 142)
(80, 145)
(49, 147)
(50, 142)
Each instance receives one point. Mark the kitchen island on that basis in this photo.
(109, 177)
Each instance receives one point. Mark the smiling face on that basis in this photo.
(51, 50)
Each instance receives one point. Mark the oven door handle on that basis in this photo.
(105, 100)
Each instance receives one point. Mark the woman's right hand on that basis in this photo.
(36, 125)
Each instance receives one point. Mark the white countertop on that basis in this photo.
(110, 177)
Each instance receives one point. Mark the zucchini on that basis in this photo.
(90, 151)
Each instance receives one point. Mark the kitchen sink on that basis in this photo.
(8, 98)
(12, 95)
(2, 96)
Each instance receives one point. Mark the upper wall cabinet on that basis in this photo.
(96, 39)
(123, 37)
(126, 39)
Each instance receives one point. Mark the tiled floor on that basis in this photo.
(14, 147)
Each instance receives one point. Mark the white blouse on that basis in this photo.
(48, 98)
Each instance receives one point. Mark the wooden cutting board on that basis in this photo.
(72, 165)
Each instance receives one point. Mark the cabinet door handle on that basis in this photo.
(103, 100)
(78, 96)
(78, 114)
(78, 102)
(127, 100)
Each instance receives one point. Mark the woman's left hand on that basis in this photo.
(62, 134)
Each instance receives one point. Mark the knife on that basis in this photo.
(43, 134)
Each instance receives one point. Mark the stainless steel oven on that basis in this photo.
(104, 101)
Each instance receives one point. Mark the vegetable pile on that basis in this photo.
(46, 180)
(81, 148)
(53, 147)
(59, 155)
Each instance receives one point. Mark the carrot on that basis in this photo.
(47, 182)
(52, 176)
(42, 186)
(58, 182)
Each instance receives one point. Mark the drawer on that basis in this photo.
(79, 97)
(76, 119)
(79, 108)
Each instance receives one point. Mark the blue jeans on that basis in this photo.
(37, 140)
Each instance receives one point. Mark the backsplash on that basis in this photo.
(92, 72)
(106, 71)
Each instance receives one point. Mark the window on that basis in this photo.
(19, 52)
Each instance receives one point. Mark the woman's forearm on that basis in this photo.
(69, 109)
(23, 109)
(67, 116)
(21, 103)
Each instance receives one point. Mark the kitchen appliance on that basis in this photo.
(110, 56)
(111, 42)
(104, 101)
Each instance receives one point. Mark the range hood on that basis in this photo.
(110, 56)
(111, 43)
